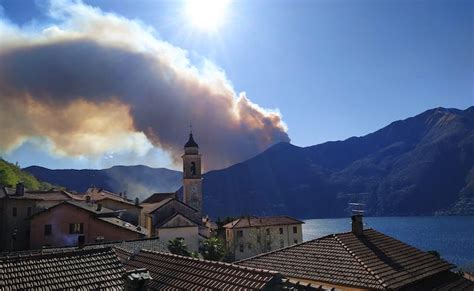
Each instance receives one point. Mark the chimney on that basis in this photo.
(357, 224)
(20, 189)
(81, 240)
(99, 207)
(135, 280)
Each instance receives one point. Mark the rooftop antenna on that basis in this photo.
(357, 213)
(191, 128)
(356, 208)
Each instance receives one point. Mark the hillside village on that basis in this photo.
(96, 240)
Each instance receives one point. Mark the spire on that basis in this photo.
(191, 143)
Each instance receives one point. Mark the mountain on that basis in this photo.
(422, 165)
(11, 174)
(140, 181)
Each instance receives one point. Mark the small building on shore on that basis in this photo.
(250, 236)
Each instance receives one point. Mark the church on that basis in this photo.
(165, 216)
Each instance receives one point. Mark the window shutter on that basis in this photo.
(82, 228)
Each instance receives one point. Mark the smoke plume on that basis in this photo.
(96, 82)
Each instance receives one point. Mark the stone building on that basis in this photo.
(167, 217)
(250, 236)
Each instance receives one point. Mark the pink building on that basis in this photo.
(71, 223)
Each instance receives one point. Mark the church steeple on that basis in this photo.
(191, 143)
(192, 181)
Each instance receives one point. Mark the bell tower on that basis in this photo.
(192, 180)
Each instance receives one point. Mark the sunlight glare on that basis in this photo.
(206, 14)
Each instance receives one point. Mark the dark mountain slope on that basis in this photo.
(139, 181)
(421, 165)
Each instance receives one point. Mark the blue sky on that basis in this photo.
(334, 69)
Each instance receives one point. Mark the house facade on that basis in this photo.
(170, 219)
(17, 205)
(73, 223)
(250, 236)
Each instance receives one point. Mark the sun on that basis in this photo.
(206, 15)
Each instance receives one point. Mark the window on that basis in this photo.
(240, 233)
(76, 228)
(295, 229)
(28, 212)
(241, 248)
(268, 231)
(282, 243)
(14, 211)
(47, 229)
(295, 241)
(281, 230)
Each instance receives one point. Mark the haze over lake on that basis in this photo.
(451, 236)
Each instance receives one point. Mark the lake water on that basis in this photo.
(451, 236)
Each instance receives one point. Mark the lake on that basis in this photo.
(451, 236)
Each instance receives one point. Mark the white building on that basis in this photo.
(250, 236)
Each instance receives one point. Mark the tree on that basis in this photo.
(212, 249)
(178, 247)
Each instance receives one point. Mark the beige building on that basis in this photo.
(250, 236)
(129, 210)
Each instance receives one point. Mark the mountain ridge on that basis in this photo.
(422, 165)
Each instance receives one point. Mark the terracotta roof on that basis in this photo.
(161, 224)
(157, 197)
(262, 221)
(124, 249)
(372, 260)
(124, 224)
(173, 272)
(82, 205)
(84, 269)
(97, 194)
(48, 195)
(444, 281)
(152, 207)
